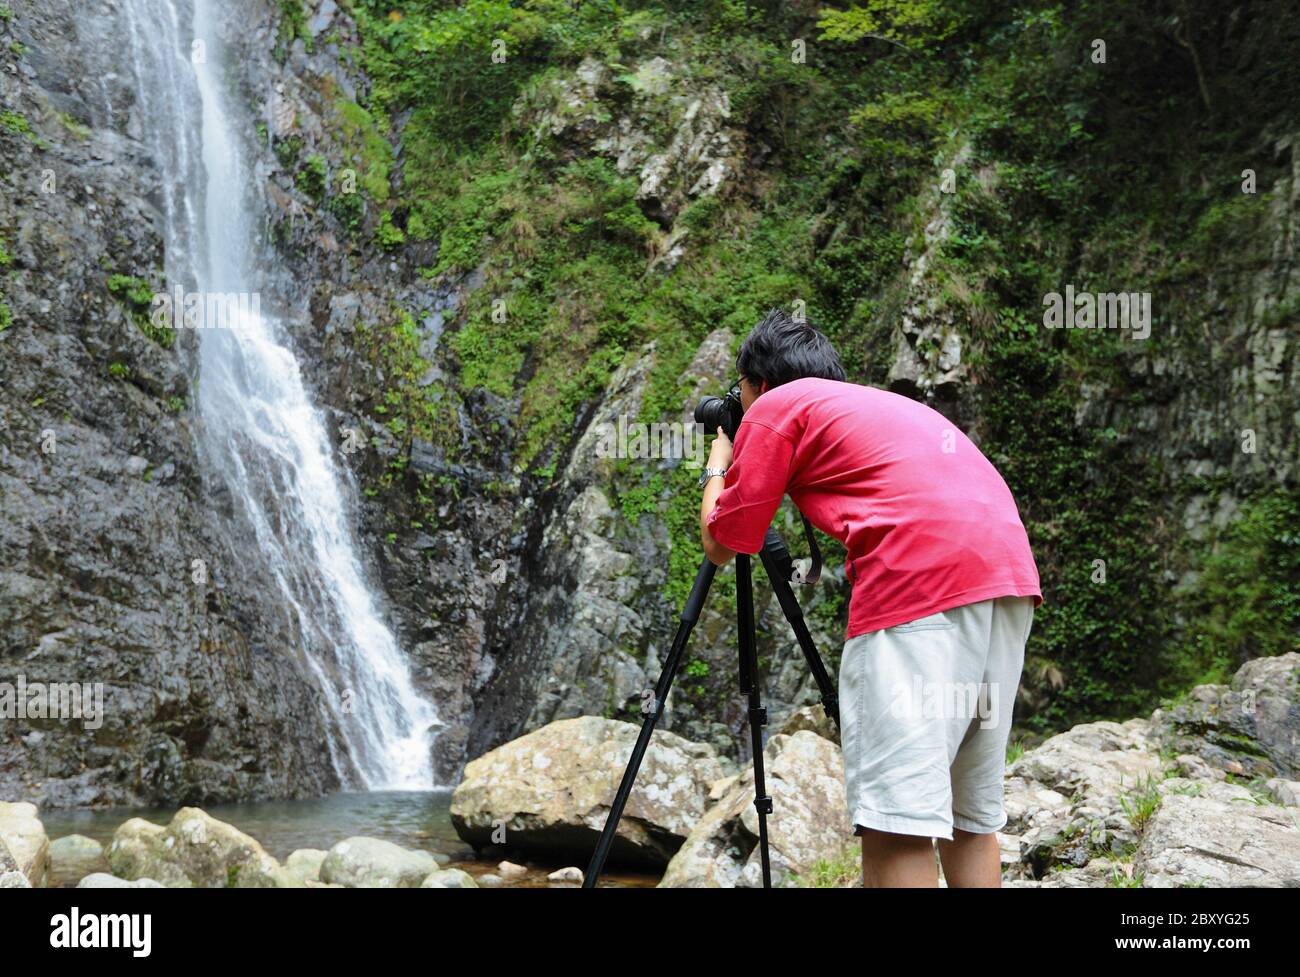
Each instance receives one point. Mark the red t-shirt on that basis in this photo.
(928, 522)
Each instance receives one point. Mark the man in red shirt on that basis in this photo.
(943, 591)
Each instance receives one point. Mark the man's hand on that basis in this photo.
(719, 457)
(720, 453)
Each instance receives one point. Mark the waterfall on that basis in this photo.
(258, 432)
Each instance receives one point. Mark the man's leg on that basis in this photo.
(897, 750)
(971, 861)
(972, 858)
(892, 861)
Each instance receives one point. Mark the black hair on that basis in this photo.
(780, 349)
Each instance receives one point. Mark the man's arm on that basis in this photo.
(719, 457)
(735, 514)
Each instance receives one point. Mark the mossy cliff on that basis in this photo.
(619, 190)
(614, 193)
(505, 226)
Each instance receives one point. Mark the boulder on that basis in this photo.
(304, 864)
(22, 836)
(1251, 727)
(371, 863)
(813, 718)
(102, 880)
(551, 790)
(1284, 792)
(73, 857)
(1218, 835)
(194, 850)
(1067, 798)
(510, 870)
(809, 822)
(448, 878)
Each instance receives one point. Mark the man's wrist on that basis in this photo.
(711, 471)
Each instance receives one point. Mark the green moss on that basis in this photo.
(1245, 600)
(137, 295)
(361, 133)
(78, 129)
(293, 26)
(388, 235)
(1061, 182)
(312, 176)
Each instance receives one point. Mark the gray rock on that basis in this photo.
(305, 863)
(448, 878)
(102, 880)
(371, 863)
(1285, 792)
(511, 871)
(1251, 727)
(809, 823)
(1219, 836)
(194, 850)
(552, 789)
(76, 856)
(24, 848)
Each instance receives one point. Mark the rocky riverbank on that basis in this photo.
(1203, 792)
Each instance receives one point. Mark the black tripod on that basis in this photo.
(779, 567)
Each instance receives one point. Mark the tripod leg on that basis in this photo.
(690, 615)
(778, 572)
(750, 686)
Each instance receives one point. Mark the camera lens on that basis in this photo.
(719, 412)
(709, 412)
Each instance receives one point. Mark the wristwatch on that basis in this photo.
(709, 473)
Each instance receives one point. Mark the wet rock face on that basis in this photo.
(105, 510)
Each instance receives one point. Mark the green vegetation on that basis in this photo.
(1247, 597)
(78, 129)
(6, 313)
(1141, 803)
(361, 133)
(1059, 174)
(293, 26)
(15, 123)
(312, 176)
(844, 871)
(137, 295)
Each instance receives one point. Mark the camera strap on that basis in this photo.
(805, 571)
(808, 571)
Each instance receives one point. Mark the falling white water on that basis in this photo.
(258, 429)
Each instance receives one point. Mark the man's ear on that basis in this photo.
(762, 387)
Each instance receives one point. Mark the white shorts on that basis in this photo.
(925, 709)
